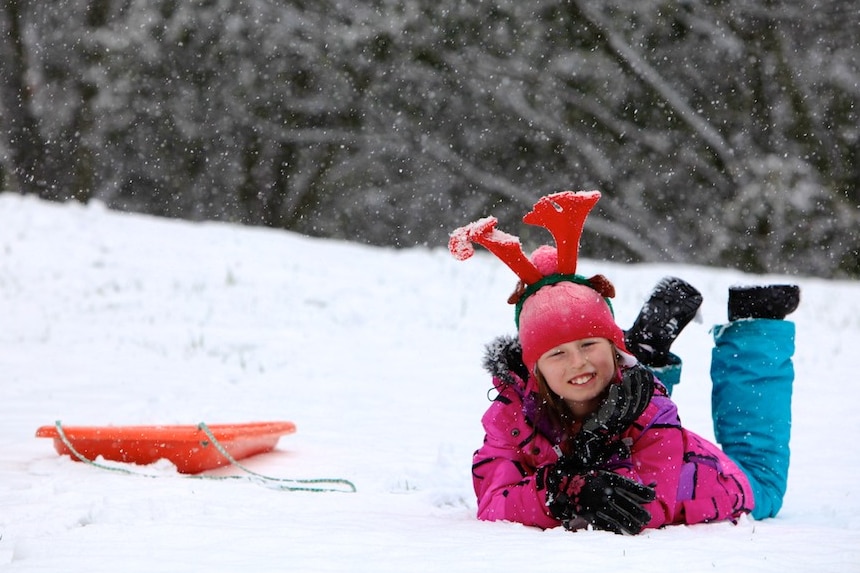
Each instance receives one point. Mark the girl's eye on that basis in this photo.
(588, 343)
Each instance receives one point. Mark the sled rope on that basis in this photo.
(313, 484)
(80, 456)
(283, 484)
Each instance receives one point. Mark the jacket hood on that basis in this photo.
(503, 359)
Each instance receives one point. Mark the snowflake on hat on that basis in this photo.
(554, 305)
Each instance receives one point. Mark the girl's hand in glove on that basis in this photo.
(605, 500)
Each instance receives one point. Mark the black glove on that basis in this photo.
(598, 439)
(606, 500)
(624, 402)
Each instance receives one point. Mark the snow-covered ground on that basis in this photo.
(115, 319)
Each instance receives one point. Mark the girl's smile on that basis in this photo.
(582, 380)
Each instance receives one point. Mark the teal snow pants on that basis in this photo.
(753, 375)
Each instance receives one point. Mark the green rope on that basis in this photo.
(80, 456)
(271, 480)
(283, 484)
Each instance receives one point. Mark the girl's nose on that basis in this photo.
(577, 358)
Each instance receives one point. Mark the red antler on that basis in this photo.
(563, 214)
(506, 247)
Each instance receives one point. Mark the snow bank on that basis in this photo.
(110, 318)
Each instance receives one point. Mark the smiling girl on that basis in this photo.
(581, 434)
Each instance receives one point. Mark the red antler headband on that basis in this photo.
(563, 215)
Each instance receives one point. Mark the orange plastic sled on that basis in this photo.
(188, 447)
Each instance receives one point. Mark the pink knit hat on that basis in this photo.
(563, 312)
(554, 305)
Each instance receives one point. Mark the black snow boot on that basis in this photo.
(771, 301)
(672, 305)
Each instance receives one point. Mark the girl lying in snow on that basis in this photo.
(583, 434)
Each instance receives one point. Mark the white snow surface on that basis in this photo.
(117, 319)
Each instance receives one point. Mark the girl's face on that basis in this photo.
(579, 372)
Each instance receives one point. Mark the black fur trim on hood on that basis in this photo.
(504, 356)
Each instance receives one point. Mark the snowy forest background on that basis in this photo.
(721, 133)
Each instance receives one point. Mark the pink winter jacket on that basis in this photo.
(695, 481)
